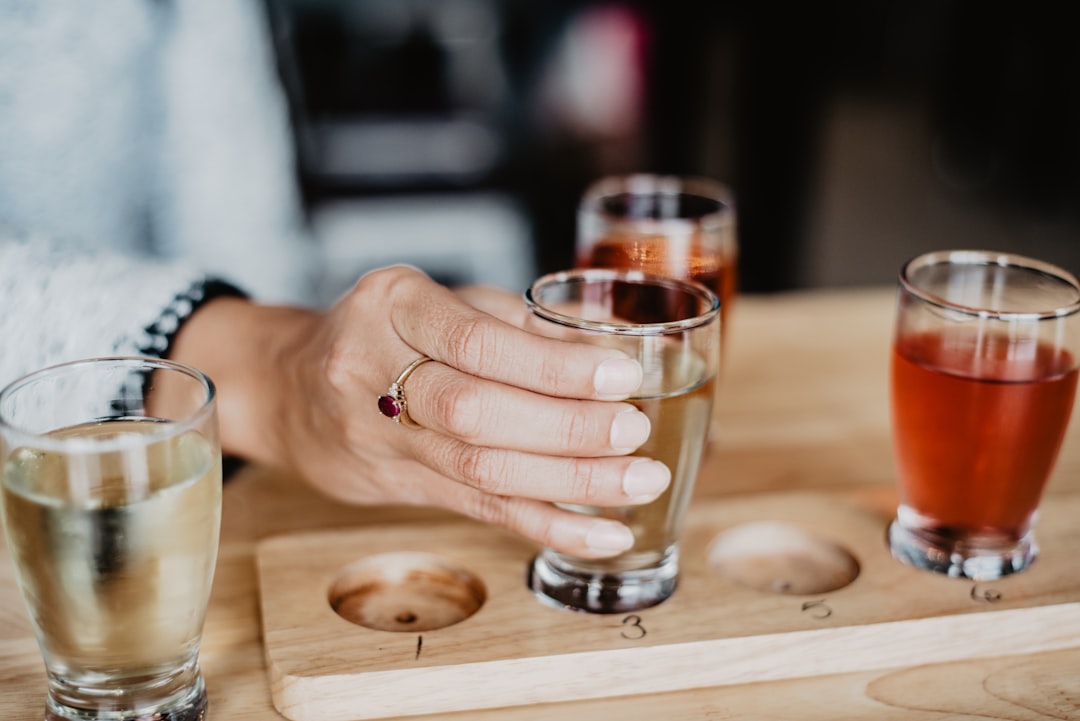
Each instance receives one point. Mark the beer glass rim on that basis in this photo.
(663, 184)
(691, 287)
(18, 435)
(990, 258)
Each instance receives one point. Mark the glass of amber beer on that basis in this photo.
(676, 226)
(111, 495)
(984, 375)
(671, 327)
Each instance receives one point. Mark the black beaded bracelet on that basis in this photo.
(161, 333)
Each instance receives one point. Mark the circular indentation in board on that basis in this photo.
(781, 558)
(406, 592)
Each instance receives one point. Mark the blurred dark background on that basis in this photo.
(459, 134)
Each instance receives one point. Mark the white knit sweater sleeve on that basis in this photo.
(62, 303)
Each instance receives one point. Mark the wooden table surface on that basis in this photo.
(803, 405)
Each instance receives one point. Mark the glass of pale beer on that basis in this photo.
(984, 374)
(681, 226)
(112, 507)
(672, 328)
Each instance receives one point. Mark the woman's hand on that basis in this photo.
(510, 422)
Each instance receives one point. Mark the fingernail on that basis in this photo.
(609, 538)
(645, 479)
(629, 430)
(617, 378)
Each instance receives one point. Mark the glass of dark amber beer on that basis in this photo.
(672, 328)
(984, 375)
(676, 226)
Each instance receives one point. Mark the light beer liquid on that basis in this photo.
(680, 421)
(116, 572)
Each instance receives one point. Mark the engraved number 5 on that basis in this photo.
(819, 609)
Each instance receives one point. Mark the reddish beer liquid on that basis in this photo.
(661, 255)
(976, 433)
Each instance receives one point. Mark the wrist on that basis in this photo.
(244, 348)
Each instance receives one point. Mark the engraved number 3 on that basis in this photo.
(632, 628)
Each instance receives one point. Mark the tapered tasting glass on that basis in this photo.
(670, 225)
(111, 495)
(983, 381)
(671, 327)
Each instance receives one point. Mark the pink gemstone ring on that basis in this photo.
(393, 403)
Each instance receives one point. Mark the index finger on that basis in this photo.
(434, 321)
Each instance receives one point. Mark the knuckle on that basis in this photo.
(473, 345)
(490, 509)
(370, 285)
(480, 468)
(509, 513)
(338, 365)
(459, 407)
(381, 287)
(546, 534)
(588, 481)
(577, 430)
(382, 281)
(553, 370)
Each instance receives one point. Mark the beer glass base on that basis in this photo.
(957, 557)
(190, 706)
(559, 584)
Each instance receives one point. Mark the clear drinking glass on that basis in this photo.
(984, 375)
(676, 226)
(672, 328)
(112, 507)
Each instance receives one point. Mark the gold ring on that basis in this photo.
(393, 403)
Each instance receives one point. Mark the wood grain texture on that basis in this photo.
(803, 406)
(713, 631)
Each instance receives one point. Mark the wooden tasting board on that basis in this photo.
(713, 631)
